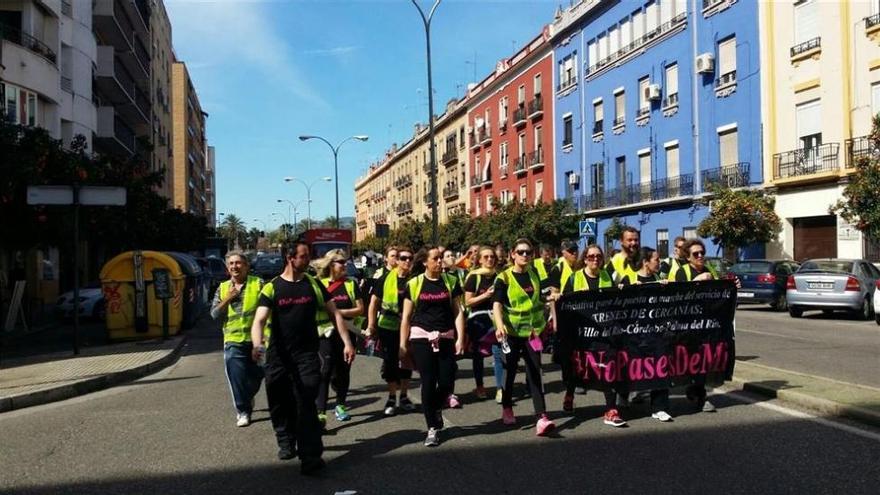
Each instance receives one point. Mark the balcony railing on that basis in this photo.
(872, 21)
(450, 190)
(639, 42)
(66, 84)
(670, 100)
(473, 141)
(807, 161)
(485, 135)
(66, 8)
(502, 170)
(19, 37)
(806, 46)
(403, 207)
(536, 107)
(618, 121)
(429, 198)
(643, 112)
(656, 190)
(450, 156)
(728, 176)
(519, 164)
(536, 158)
(726, 79)
(476, 181)
(519, 116)
(567, 83)
(597, 127)
(860, 148)
(402, 181)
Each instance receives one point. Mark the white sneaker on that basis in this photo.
(662, 416)
(243, 419)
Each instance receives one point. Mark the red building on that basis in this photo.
(511, 136)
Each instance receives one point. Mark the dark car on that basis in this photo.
(268, 266)
(763, 281)
(216, 270)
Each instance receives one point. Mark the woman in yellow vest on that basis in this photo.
(591, 277)
(519, 321)
(479, 287)
(432, 334)
(345, 295)
(235, 304)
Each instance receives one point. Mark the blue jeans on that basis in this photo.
(477, 327)
(243, 374)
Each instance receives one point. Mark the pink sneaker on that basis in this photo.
(544, 426)
(507, 416)
(452, 402)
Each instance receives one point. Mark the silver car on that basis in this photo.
(829, 284)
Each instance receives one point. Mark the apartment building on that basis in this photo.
(211, 190)
(656, 100)
(189, 143)
(122, 74)
(160, 67)
(46, 56)
(821, 86)
(509, 124)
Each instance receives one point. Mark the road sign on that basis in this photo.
(49, 195)
(588, 227)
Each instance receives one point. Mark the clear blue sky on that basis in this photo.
(268, 71)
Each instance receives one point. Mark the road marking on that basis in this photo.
(770, 334)
(802, 415)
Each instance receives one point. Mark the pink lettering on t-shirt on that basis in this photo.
(289, 301)
(439, 296)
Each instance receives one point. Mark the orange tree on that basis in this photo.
(739, 218)
(860, 205)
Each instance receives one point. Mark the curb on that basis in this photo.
(90, 385)
(822, 406)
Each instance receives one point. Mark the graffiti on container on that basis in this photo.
(113, 298)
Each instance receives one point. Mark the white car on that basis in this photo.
(91, 304)
(877, 303)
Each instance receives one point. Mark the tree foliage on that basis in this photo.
(739, 218)
(860, 205)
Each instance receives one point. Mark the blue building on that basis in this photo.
(655, 101)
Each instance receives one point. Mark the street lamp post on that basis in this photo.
(295, 210)
(427, 22)
(309, 195)
(335, 151)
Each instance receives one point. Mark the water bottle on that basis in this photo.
(505, 347)
(261, 361)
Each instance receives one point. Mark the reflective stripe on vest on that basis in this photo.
(580, 281)
(237, 328)
(389, 318)
(525, 315)
(415, 287)
(690, 274)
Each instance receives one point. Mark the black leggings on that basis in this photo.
(519, 347)
(334, 370)
(391, 370)
(437, 373)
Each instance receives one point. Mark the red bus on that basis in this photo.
(322, 240)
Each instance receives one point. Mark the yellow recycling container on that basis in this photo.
(133, 312)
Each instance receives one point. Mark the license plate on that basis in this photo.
(745, 294)
(820, 285)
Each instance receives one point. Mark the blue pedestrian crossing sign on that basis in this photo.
(588, 227)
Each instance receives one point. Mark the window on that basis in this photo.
(521, 147)
(875, 97)
(625, 32)
(671, 84)
(672, 169)
(727, 147)
(489, 203)
(593, 53)
(521, 95)
(603, 47)
(644, 102)
(502, 112)
(619, 108)
(461, 137)
(20, 105)
(536, 85)
(567, 131)
(806, 21)
(689, 233)
(597, 174)
(523, 193)
(665, 11)
(651, 17)
(479, 204)
(567, 71)
(539, 139)
(809, 124)
(502, 152)
(539, 190)
(598, 116)
(645, 165)
(613, 40)
(621, 171)
(663, 242)
(727, 61)
(680, 7)
(638, 19)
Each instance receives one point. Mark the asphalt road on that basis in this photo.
(174, 432)
(832, 346)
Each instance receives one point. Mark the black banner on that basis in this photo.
(651, 335)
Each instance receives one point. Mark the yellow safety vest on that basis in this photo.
(540, 268)
(389, 318)
(690, 274)
(237, 328)
(565, 272)
(525, 315)
(580, 281)
(415, 286)
(324, 319)
(621, 267)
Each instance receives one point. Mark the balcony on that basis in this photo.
(116, 20)
(473, 141)
(566, 84)
(476, 182)
(597, 127)
(727, 177)
(535, 158)
(806, 49)
(485, 135)
(24, 40)
(618, 125)
(114, 133)
(536, 107)
(726, 79)
(450, 191)
(871, 22)
(637, 44)
(860, 148)
(403, 182)
(502, 125)
(450, 156)
(519, 116)
(805, 162)
(117, 86)
(519, 165)
(429, 198)
(643, 115)
(502, 170)
(656, 190)
(670, 102)
(403, 208)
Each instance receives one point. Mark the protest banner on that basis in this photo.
(650, 336)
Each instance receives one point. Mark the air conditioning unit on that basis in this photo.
(705, 63)
(573, 179)
(652, 92)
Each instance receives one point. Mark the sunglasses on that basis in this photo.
(679, 246)
(593, 257)
(338, 262)
(524, 252)
(698, 254)
(489, 256)
(404, 258)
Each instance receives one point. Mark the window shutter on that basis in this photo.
(728, 147)
(638, 25)
(809, 117)
(603, 47)
(600, 114)
(593, 53)
(651, 16)
(625, 32)
(645, 167)
(665, 11)
(806, 21)
(614, 40)
(672, 169)
(643, 86)
(727, 56)
(672, 80)
(619, 105)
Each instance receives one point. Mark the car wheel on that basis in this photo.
(795, 312)
(780, 304)
(867, 311)
(99, 312)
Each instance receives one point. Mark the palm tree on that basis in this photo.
(233, 228)
(253, 237)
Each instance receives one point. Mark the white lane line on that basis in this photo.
(802, 415)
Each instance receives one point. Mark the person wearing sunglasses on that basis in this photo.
(345, 295)
(670, 265)
(519, 321)
(386, 306)
(432, 334)
(478, 291)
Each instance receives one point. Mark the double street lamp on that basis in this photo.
(309, 195)
(295, 209)
(335, 150)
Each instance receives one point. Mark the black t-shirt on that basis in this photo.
(486, 281)
(379, 287)
(554, 276)
(293, 305)
(524, 281)
(339, 295)
(645, 280)
(434, 309)
(681, 276)
(592, 283)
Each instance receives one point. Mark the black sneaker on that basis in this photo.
(285, 453)
(406, 404)
(311, 465)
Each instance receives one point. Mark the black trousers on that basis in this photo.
(519, 347)
(291, 389)
(391, 371)
(334, 370)
(437, 374)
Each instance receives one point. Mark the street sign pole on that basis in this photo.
(162, 291)
(75, 269)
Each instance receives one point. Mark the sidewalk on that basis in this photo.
(33, 380)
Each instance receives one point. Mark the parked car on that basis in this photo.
(721, 266)
(268, 266)
(763, 281)
(876, 300)
(91, 304)
(216, 270)
(833, 284)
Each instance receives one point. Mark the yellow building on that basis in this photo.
(399, 186)
(189, 143)
(820, 87)
(161, 60)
